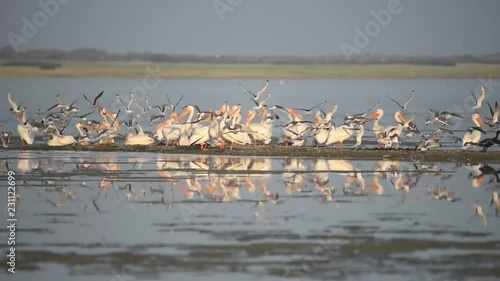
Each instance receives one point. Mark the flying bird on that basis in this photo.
(403, 107)
(480, 99)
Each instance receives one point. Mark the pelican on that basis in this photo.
(376, 116)
(479, 100)
(138, 139)
(340, 134)
(5, 136)
(472, 137)
(60, 140)
(260, 131)
(473, 134)
(202, 135)
(234, 136)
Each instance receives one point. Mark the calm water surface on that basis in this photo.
(189, 217)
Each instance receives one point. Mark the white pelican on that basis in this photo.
(340, 134)
(472, 137)
(480, 99)
(473, 134)
(60, 140)
(376, 116)
(202, 135)
(260, 131)
(234, 136)
(138, 139)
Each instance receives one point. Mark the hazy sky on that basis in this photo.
(259, 27)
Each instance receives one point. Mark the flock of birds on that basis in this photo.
(225, 126)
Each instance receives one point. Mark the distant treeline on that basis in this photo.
(89, 54)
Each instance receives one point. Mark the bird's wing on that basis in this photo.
(491, 109)
(71, 105)
(52, 107)
(98, 96)
(87, 98)
(409, 98)
(59, 100)
(12, 102)
(247, 91)
(482, 93)
(394, 101)
(434, 112)
(262, 90)
(173, 109)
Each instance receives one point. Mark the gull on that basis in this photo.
(437, 134)
(261, 103)
(259, 93)
(441, 193)
(5, 136)
(403, 107)
(495, 114)
(174, 105)
(488, 142)
(155, 118)
(14, 107)
(62, 105)
(428, 144)
(308, 110)
(163, 108)
(480, 99)
(94, 103)
(119, 99)
(443, 117)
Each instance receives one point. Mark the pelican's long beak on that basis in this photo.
(480, 120)
(295, 114)
(232, 111)
(373, 115)
(402, 117)
(184, 113)
(260, 113)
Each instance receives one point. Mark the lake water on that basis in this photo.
(189, 217)
(352, 96)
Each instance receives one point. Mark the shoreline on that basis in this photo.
(139, 70)
(407, 155)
